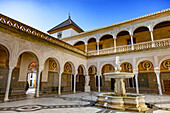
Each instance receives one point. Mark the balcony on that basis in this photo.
(126, 48)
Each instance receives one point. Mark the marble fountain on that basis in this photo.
(119, 99)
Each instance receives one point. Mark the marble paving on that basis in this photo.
(74, 103)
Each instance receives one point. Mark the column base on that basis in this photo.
(86, 88)
(6, 99)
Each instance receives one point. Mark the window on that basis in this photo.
(59, 34)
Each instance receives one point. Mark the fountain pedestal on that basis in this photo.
(119, 87)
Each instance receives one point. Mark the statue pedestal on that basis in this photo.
(86, 88)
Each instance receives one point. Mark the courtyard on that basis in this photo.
(74, 103)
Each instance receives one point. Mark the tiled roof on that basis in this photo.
(64, 24)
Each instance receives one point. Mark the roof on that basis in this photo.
(66, 23)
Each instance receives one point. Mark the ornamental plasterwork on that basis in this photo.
(146, 65)
(67, 67)
(166, 64)
(128, 67)
(53, 65)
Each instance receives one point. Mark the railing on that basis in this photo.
(106, 50)
(143, 45)
(123, 48)
(163, 42)
(126, 48)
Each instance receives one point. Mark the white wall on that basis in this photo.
(66, 33)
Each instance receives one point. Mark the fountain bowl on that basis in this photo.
(119, 75)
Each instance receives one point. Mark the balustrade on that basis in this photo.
(138, 46)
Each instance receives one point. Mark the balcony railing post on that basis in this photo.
(115, 45)
(132, 42)
(97, 48)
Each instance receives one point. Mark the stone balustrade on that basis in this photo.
(126, 48)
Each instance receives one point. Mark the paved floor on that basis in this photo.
(74, 103)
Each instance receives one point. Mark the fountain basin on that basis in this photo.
(130, 102)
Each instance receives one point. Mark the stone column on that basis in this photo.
(98, 48)
(38, 80)
(114, 44)
(159, 83)
(87, 87)
(136, 81)
(85, 47)
(8, 83)
(131, 36)
(74, 89)
(152, 39)
(59, 83)
(98, 83)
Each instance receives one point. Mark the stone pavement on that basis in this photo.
(74, 103)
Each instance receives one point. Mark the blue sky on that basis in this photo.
(88, 14)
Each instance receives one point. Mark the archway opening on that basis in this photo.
(161, 30)
(4, 61)
(123, 38)
(92, 71)
(107, 84)
(106, 41)
(92, 44)
(165, 76)
(147, 78)
(67, 78)
(80, 45)
(49, 76)
(24, 75)
(129, 82)
(141, 34)
(80, 79)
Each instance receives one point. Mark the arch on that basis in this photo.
(91, 44)
(141, 34)
(106, 41)
(91, 39)
(110, 70)
(91, 66)
(147, 79)
(161, 30)
(123, 38)
(95, 69)
(80, 45)
(159, 22)
(127, 61)
(29, 51)
(72, 65)
(144, 59)
(163, 59)
(55, 59)
(122, 31)
(105, 35)
(4, 45)
(140, 26)
(128, 69)
(104, 63)
(3, 48)
(84, 69)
